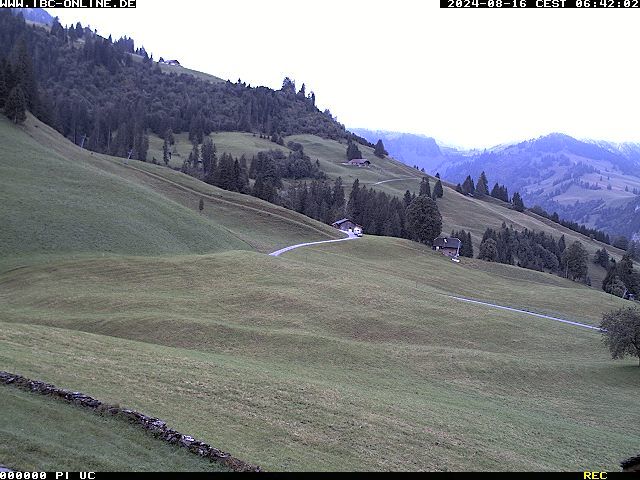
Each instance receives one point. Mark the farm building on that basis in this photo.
(173, 62)
(448, 246)
(359, 162)
(347, 225)
(631, 464)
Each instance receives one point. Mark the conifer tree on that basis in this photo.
(194, 156)
(16, 105)
(518, 204)
(407, 199)
(469, 246)
(208, 155)
(561, 245)
(482, 187)
(468, 186)
(424, 221)
(574, 260)
(379, 150)
(165, 152)
(438, 191)
(353, 151)
(425, 187)
(488, 250)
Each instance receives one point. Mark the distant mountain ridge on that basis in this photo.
(594, 182)
(409, 148)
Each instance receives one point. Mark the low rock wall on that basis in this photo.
(154, 425)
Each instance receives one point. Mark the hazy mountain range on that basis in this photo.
(593, 182)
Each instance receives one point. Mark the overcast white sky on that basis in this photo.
(473, 77)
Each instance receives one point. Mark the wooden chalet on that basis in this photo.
(447, 246)
(347, 225)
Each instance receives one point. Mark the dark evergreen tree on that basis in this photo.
(438, 191)
(407, 198)
(16, 105)
(424, 221)
(354, 205)
(482, 187)
(379, 151)
(561, 245)
(518, 204)
(602, 258)
(208, 155)
(353, 151)
(165, 153)
(469, 246)
(468, 187)
(194, 156)
(425, 187)
(488, 250)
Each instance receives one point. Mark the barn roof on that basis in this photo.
(344, 220)
(447, 242)
(359, 160)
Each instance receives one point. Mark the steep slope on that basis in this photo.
(53, 205)
(66, 200)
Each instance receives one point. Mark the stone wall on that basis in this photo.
(154, 425)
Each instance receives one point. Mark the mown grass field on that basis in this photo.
(310, 365)
(41, 434)
(349, 356)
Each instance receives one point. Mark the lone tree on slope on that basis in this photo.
(438, 191)
(380, 151)
(201, 205)
(621, 332)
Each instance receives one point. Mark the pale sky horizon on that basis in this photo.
(467, 77)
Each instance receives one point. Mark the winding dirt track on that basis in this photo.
(351, 236)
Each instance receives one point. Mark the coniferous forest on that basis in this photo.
(115, 94)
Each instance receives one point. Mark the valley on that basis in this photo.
(328, 357)
(166, 247)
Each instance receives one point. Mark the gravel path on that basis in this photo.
(555, 319)
(350, 236)
(396, 180)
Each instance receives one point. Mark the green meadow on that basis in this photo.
(346, 356)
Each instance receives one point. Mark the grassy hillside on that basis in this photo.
(345, 356)
(458, 211)
(44, 434)
(50, 204)
(66, 200)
